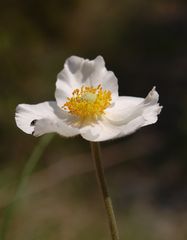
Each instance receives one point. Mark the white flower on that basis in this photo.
(87, 103)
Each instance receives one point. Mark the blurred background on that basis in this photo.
(145, 44)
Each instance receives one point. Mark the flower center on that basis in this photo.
(88, 102)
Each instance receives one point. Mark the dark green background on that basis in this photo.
(145, 44)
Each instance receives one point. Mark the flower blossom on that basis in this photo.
(87, 103)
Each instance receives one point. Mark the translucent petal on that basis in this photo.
(43, 118)
(78, 72)
(131, 113)
(101, 131)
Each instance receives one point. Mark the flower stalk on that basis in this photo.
(96, 155)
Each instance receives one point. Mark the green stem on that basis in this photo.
(96, 155)
(27, 171)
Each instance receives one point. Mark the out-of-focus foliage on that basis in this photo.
(145, 44)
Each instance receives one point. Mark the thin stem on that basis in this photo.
(96, 155)
(27, 171)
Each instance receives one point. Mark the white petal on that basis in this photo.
(102, 76)
(78, 72)
(101, 131)
(131, 113)
(132, 126)
(123, 108)
(68, 79)
(43, 118)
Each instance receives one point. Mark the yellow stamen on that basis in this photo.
(88, 102)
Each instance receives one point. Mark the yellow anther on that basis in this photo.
(88, 102)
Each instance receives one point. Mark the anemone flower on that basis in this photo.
(87, 104)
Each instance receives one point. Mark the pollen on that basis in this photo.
(88, 102)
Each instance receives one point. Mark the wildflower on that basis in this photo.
(87, 103)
